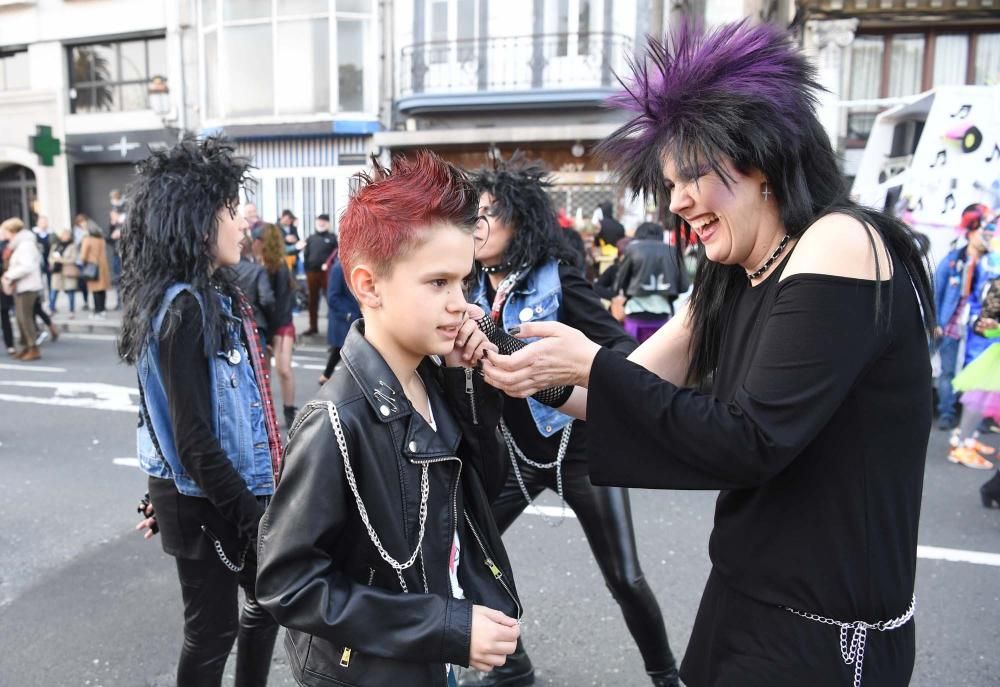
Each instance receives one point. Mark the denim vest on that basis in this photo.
(537, 297)
(237, 413)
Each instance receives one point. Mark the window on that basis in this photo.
(13, 70)
(452, 30)
(987, 61)
(114, 76)
(951, 57)
(906, 64)
(284, 57)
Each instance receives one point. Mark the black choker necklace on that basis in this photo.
(770, 260)
(493, 269)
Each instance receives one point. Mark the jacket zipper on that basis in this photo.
(471, 391)
(494, 568)
(454, 490)
(345, 657)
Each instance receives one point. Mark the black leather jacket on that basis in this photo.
(320, 576)
(650, 267)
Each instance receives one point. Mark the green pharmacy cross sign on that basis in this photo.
(44, 145)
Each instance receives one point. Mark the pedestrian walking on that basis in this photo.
(255, 284)
(651, 276)
(979, 385)
(341, 311)
(959, 281)
(796, 381)
(530, 273)
(6, 299)
(207, 436)
(281, 327)
(22, 279)
(96, 270)
(64, 265)
(318, 248)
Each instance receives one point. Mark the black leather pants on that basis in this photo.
(209, 590)
(606, 517)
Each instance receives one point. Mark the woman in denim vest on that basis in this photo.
(207, 435)
(528, 274)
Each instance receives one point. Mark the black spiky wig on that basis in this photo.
(520, 190)
(171, 232)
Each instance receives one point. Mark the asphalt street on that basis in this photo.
(84, 600)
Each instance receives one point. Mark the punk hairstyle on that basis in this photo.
(385, 214)
(745, 94)
(171, 232)
(519, 187)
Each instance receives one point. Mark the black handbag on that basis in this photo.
(90, 272)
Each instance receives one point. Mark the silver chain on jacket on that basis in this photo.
(363, 512)
(853, 649)
(516, 454)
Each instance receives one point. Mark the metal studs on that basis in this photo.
(413, 447)
(384, 410)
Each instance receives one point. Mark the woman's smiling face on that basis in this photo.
(726, 219)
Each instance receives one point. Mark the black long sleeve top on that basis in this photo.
(230, 510)
(816, 432)
(581, 308)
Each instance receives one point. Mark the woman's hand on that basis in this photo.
(148, 522)
(470, 342)
(561, 357)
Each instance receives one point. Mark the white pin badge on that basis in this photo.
(524, 315)
(234, 357)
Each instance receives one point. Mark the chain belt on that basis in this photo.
(853, 634)
(516, 453)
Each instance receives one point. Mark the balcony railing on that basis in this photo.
(862, 8)
(513, 63)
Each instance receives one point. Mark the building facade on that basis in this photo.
(75, 101)
(871, 53)
(296, 84)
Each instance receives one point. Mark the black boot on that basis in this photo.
(290, 416)
(666, 678)
(516, 672)
(990, 492)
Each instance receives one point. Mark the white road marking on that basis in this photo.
(89, 337)
(127, 462)
(25, 367)
(95, 395)
(550, 511)
(937, 553)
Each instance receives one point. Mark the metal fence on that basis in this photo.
(513, 63)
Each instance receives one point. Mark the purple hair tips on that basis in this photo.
(737, 91)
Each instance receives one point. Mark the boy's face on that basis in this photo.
(422, 299)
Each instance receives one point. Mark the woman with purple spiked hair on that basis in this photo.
(796, 382)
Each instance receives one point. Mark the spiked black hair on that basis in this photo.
(171, 233)
(519, 187)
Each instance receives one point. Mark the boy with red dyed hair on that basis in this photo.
(379, 552)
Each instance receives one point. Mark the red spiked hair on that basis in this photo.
(385, 216)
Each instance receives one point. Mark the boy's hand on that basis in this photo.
(470, 342)
(494, 638)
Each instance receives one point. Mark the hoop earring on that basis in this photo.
(764, 191)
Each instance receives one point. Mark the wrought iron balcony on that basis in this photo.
(513, 64)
